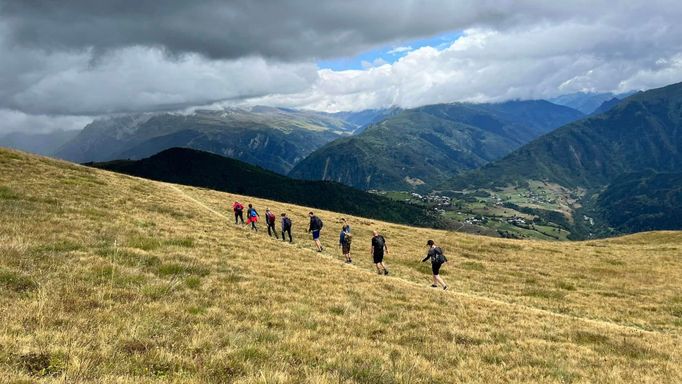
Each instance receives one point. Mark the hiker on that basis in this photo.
(252, 217)
(345, 239)
(377, 249)
(345, 222)
(315, 227)
(437, 259)
(270, 219)
(238, 209)
(286, 227)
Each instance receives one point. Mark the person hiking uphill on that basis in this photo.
(252, 217)
(344, 242)
(315, 227)
(238, 209)
(270, 219)
(437, 259)
(377, 250)
(286, 227)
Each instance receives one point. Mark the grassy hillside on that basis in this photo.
(109, 278)
(202, 169)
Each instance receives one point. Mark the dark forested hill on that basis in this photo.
(202, 169)
(643, 201)
(423, 146)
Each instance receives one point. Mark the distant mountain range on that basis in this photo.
(643, 132)
(589, 103)
(273, 138)
(203, 169)
(421, 147)
(41, 143)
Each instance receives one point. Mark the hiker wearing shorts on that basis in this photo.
(270, 219)
(344, 242)
(286, 227)
(238, 209)
(252, 217)
(437, 260)
(315, 227)
(377, 250)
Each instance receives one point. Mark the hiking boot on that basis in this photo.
(385, 271)
(445, 287)
(434, 286)
(380, 273)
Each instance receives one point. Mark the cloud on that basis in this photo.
(485, 65)
(14, 121)
(399, 50)
(77, 58)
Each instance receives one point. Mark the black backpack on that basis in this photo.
(318, 222)
(438, 258)
(380, 242)
(287, 222)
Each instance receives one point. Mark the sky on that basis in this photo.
(65, 63)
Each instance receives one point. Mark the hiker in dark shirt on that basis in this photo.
(270, 219)
(437, 259)
(344, 242)
(377, 250)
(286, 227)
(315, 227)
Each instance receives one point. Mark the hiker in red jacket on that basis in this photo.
(238, 209)
(270, 219)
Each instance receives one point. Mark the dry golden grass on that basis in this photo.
(112, 279)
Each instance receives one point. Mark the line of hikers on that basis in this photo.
(378, 246)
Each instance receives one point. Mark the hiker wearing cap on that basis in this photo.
(377, 250)
(238, 209)
(344, 242)
(270, 219)
(315, 227)
(437, 260)
(286, 227)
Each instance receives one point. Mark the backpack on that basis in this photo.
(270, 217)
(238, 207)
(318, 222)
(438, 257)
(380, 242)
(287, 222)
(348, 238)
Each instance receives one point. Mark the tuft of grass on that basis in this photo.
(544, 293)
(472, 266)
(565, 285)
(16, 282)
(43, 363)
(8, 194)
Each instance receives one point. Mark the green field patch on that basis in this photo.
(42, 364)
(565, 285)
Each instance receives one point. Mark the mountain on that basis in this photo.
(590, 102)
(108, 278)
(643, 132)
(362, 119)
(39, 143)
(274, 138)
(203, 169)
(421, 147)
(642, 201)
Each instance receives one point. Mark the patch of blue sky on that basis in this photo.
(388, 53)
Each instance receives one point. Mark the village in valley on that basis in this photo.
(512, 212)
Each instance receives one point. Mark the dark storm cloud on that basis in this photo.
(286, 30)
